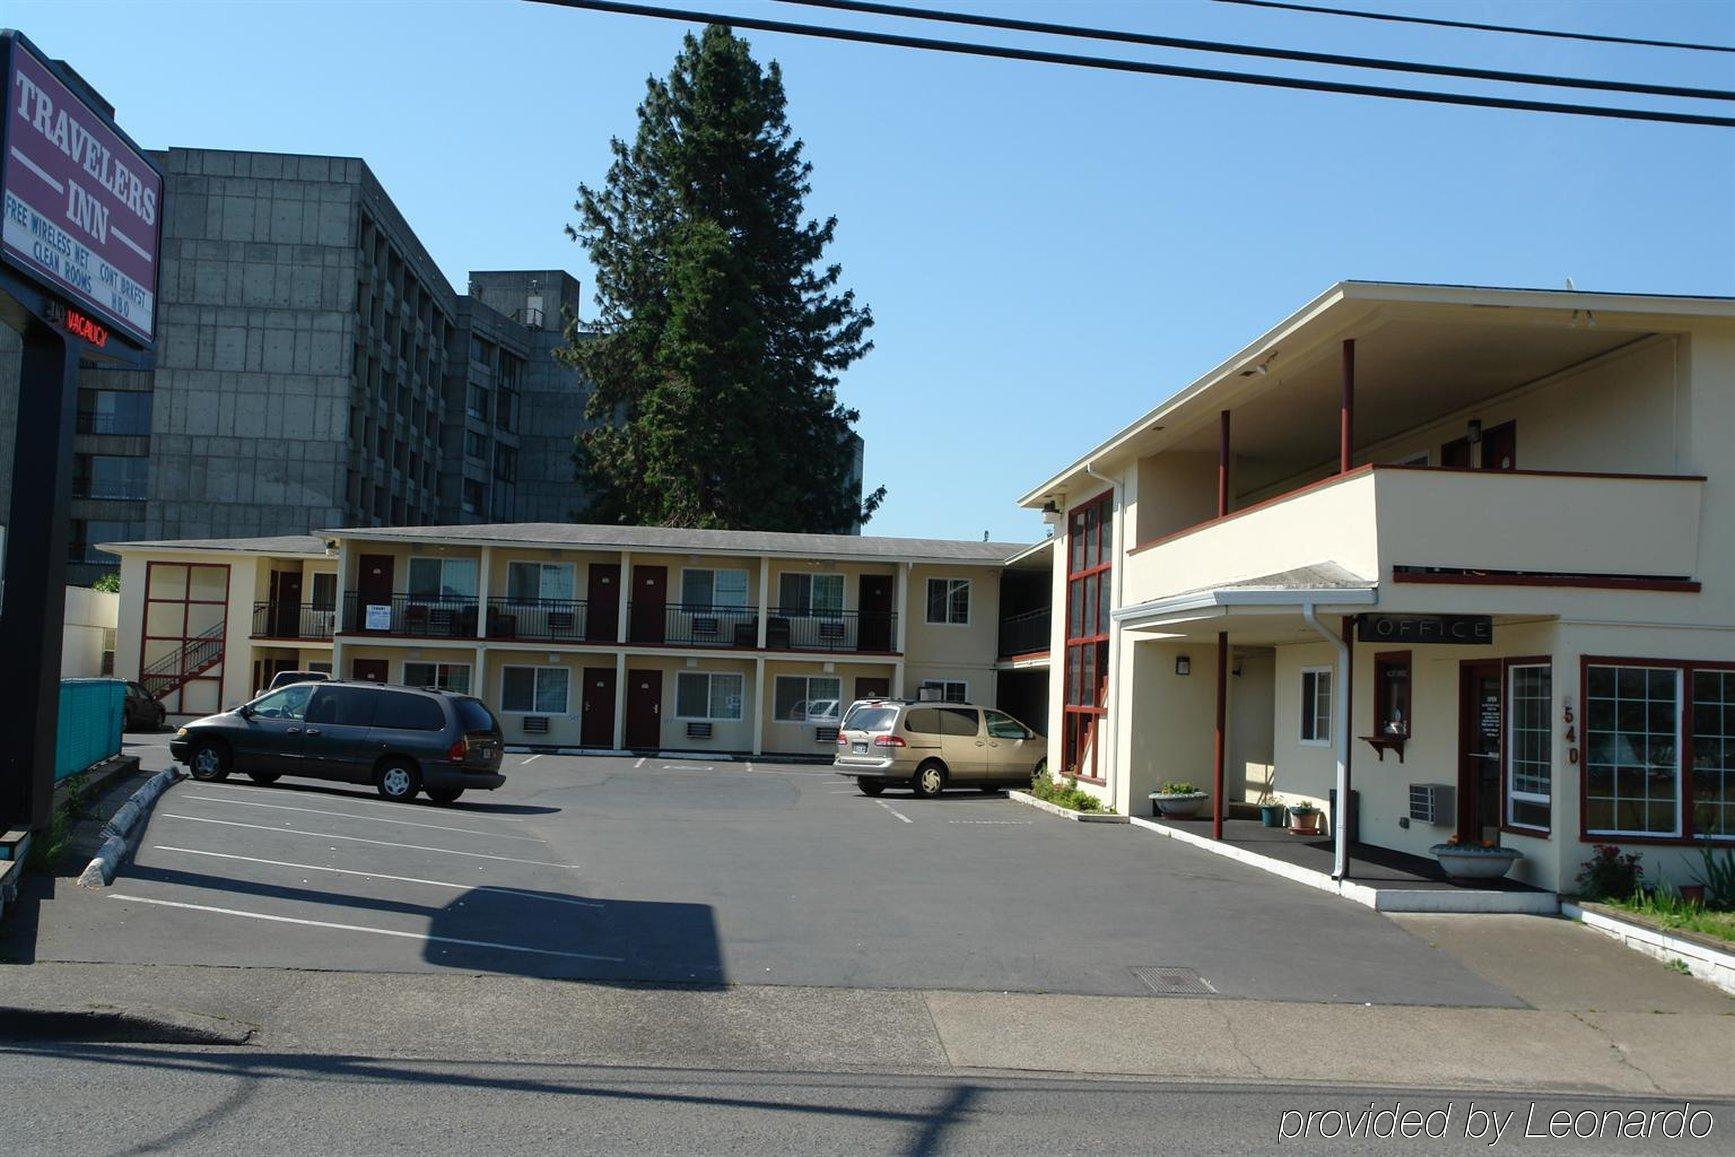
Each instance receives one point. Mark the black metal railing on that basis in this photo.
(798, 629)
(417, 616)
(282, 620)
(542, 620)
(692, 625)
(1027, 633)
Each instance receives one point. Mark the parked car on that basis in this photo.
(285, 678)
(932, 746)
(403, 740)
(141, 710)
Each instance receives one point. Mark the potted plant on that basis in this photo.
(1179, 800)
(1272, 811)
(1484, 861)
(1304, 819)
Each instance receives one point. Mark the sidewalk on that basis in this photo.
(1602, 1019)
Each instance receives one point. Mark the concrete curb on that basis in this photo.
(121, 829)
(1064, 813)
(1714, 965)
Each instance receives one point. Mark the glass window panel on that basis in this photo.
(518, 689)
(1633, 775)
(729, 588)
(693, 695)
(960, 601)
(697, 587)
(1530, 736)
(551, 689)
(936, 600)
(726, 696)
(424, 576)
(828, 592)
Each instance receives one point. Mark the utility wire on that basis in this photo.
(1438, 23)
(1124, 37)
(1111, 64)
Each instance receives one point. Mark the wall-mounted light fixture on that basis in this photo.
(1183, 665)
(1050, 512)
(1474, 434)
(1235, 668)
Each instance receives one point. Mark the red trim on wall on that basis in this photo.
(1586, 581)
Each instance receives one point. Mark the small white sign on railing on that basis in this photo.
(379, 617)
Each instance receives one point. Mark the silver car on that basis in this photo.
(932, 746)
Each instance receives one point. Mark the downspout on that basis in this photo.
(1340, 742)
(1114, 635)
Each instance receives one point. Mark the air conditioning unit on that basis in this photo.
(1431, 803)
(536, 725)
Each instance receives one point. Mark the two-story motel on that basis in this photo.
(601, 638)
(1468, 552)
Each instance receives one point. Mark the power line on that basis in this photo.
(1147, 68)
(1124, 37)
(1439, 23)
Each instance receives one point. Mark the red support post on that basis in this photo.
(1218, 747)
(1223, 464)
(1346, 410)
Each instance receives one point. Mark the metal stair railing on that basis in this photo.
(193, 658)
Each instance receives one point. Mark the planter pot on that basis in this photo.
(1692, 894)
(1304, 823)
(1271, 814)
(1179, 807)
(1474, 863)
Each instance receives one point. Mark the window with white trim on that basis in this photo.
(806, 698)
(443, 577)
(1316, 705)
(708, 695)
(950, 690)
(441, 676)
(949, 602)
(539, 581)
(1529, 744)
(1714, 754)
(534, 690)
(1632, 764)
(702, 588)
(810, 593)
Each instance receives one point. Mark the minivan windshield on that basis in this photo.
(872, 718)
(475, 716)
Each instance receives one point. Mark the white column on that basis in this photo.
(621, 627)
(764, 613)
(901, 600)
(898, 679)
(759, 692)
(620, 698)
(337, 655)
(483, 584)
(479, 676)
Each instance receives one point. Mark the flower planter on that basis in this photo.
(1179, 806)
(1304, 823)
(1692, 893)
(1471, 862)
(1271, 814)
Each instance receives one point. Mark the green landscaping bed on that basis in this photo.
(1670, 914)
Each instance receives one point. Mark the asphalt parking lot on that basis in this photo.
(681, 871)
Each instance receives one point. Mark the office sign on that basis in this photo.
(1446, 630)
(83, 205)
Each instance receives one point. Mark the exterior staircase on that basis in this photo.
(192, 659)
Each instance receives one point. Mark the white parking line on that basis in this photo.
(283, 807)
(640, 763)
(894, 811)
(995, 823)
(280, 792)
(383, 876)
(359, 840)
(695, 767)
(532, 759)
(422, 936)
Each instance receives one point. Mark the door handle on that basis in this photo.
(980, 743)
(313, 731)
(292, 731)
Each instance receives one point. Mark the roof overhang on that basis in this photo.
(1230, 602)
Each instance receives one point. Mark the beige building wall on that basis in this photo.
(90, 629)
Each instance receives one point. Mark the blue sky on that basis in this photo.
(1048, 252)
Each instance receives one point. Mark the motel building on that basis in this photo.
(1469, 552)
(598, 638)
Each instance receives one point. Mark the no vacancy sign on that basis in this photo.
(82, 203)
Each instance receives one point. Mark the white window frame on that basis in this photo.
(1321, 725)
(710, 691)
(1681, 691)
(1513, 795)
(811, 609)
(807, 696)
(475, 575)
(714, 571)
(952, 583)
(945, 686)
(535, 689)
(439, 669)
(542, 569)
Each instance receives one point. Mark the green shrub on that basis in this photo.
(1066, 794)
(1609, 874)
(1177, 787)
(1719, 878)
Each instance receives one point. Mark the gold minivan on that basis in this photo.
(933, 745)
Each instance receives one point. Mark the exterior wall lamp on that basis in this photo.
(1183, 665)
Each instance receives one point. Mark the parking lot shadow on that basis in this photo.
(353, 791)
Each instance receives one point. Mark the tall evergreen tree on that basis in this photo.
(714, 361)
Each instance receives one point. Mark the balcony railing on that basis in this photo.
(692, 625)
(1026, 634)
(418, 616)
(795, 629)
(545, 620)
(282, 620)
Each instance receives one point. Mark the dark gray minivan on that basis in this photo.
(400, 739)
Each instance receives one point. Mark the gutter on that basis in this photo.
(1340, 736)
(1117, 575)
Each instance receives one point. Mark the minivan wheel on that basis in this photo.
(930, 780)
(398, 781)
(209, 762)
(870, 784)
(264, 778)
(445, 795)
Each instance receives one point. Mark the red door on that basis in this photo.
(875, 601)
(596, 726)
(373, 589)
(650, 604)
(1481, 709)
(602, 609)
(644, 710)
(286, 604)
(1500, 447)
(369, 670)
(872, 687)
